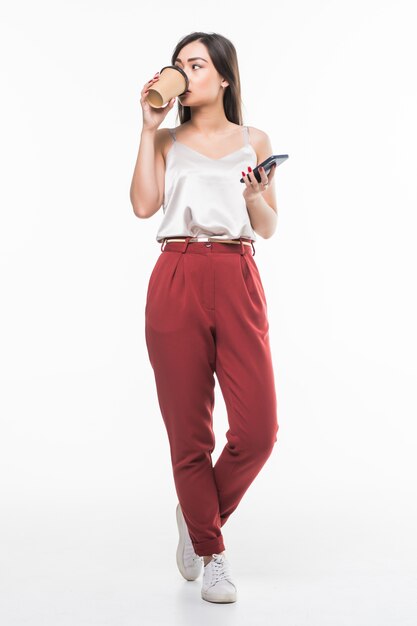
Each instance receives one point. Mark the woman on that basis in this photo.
(206, 309)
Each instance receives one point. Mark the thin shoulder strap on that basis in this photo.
(172, 131)
(246, 133)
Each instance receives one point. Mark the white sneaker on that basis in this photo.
(217, 581)
(189, 563)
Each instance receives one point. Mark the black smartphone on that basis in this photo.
(276, 159)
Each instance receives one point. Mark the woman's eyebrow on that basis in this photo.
(190, 59)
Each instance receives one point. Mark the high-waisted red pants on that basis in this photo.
(206, 312)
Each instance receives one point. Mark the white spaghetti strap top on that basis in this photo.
(204, 196)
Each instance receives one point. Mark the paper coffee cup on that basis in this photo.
(172, 81)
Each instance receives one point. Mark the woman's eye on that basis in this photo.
(193, 65)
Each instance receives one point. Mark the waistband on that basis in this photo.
(219, 244)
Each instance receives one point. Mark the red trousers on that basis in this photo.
(206, 312)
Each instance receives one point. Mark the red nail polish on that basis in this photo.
(249, 168)
(243, 173)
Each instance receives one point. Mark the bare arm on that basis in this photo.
(262, 205)
(146, 194)
(147, 187)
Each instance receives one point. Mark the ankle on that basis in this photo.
(209, 557)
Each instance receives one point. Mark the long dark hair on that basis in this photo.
(223, 55)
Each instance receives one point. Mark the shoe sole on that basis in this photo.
(181, 545)
(228, 597)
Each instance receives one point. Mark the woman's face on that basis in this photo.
(205, 83)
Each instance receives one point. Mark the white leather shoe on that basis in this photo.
(217, 581)
(189, 563)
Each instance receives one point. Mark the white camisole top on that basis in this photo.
(204, 196)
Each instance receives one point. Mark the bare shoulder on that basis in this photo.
(261, 142)
(257, 133)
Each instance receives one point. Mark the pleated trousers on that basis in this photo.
(205, 314)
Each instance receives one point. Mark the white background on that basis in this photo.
(326, 533)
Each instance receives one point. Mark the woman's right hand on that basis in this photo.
(152, 117)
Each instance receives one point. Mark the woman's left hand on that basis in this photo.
(253, 188)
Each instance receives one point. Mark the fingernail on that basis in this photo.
(249, 168)
(243, 173)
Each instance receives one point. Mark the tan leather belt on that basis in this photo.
(196, 240)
